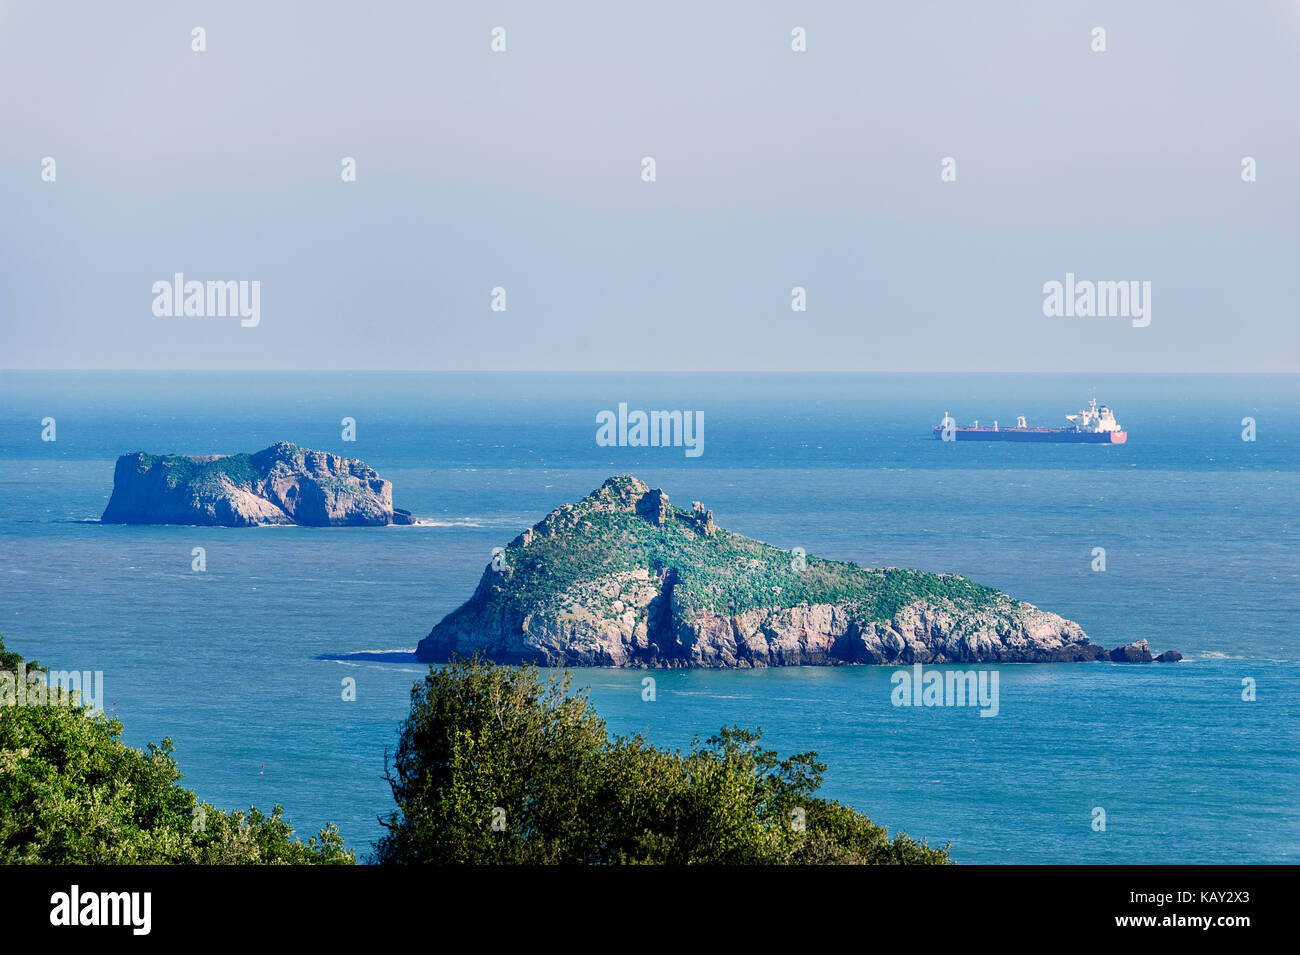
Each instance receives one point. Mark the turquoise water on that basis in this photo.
(233, 663)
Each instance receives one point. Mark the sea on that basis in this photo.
(1186, 536)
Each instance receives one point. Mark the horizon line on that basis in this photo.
(616, 371)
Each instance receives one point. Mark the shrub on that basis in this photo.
(72, 793)
(496, 765)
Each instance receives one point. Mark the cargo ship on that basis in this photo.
(1092, 425)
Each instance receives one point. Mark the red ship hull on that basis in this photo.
(1055, 435)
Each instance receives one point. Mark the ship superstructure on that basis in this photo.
(1092, 425)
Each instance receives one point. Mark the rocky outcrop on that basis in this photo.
(623, 579)
(1139, 651)
(1169, 656)
(283, 484)
(647, 631)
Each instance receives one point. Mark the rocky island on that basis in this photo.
(625, 579)
(283, 484)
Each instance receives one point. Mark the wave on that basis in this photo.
(382, 656)
(477, 521)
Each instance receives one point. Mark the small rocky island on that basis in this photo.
(283, 484)
(625, 579)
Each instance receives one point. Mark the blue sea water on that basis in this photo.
(234, 663)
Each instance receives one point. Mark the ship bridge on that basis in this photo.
(1093, 419)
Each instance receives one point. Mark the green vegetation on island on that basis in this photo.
(714, 569)
(204, 472)
(622, 578)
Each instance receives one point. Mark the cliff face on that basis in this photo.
(283, 484)
(624, 579)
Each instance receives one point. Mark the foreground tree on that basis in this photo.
(497, 765)
(72, 793)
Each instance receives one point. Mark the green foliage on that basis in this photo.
(487, 743)
(72, 793)
(9, 660)
(724, 573)
(180, 469)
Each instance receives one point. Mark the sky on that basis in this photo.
(774, 169)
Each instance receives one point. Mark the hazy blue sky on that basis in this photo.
(775, 169)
